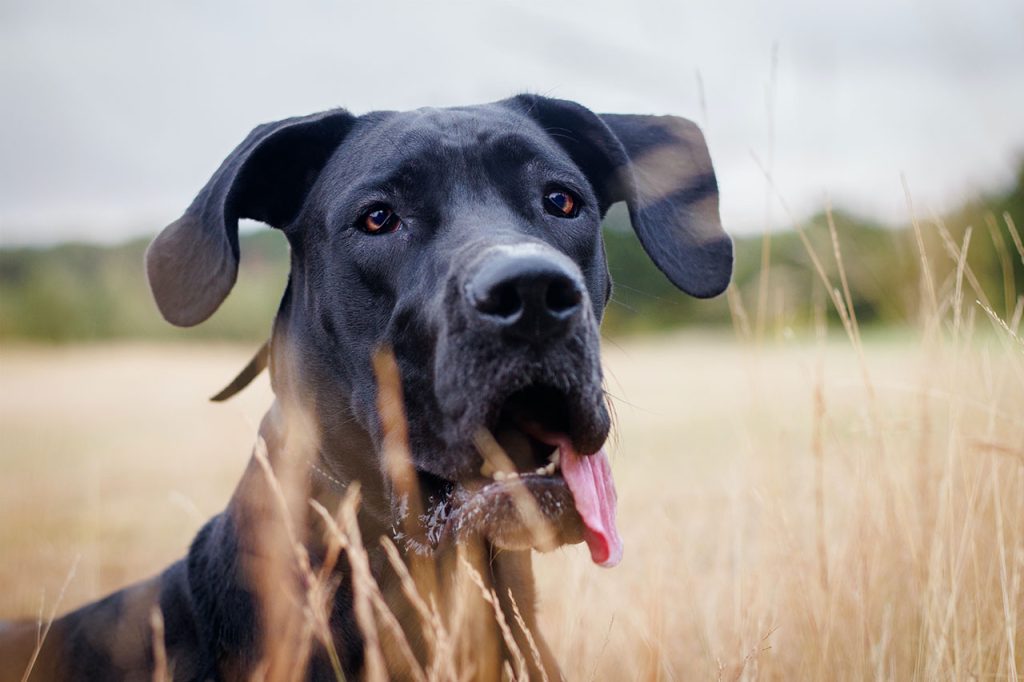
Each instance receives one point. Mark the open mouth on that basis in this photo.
(536, 489)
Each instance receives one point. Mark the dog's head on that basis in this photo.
(468, 241)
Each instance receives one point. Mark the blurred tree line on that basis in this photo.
(76, 292)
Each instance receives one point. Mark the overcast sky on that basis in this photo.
(113, 114)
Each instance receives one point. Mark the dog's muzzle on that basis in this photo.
(518, 378)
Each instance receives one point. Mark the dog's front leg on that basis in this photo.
(513, 582)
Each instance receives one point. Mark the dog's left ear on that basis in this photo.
(658, 165)
(193, 263)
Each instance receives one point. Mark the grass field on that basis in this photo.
(789, 511)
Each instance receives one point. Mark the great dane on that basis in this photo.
(468, 242)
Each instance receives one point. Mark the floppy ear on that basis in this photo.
(660, 166)
(193, 263)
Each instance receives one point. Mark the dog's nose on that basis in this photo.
(530, 295)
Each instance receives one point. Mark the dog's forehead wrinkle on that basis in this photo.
(452, 127)
(477, 130)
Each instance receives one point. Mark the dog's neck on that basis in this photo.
(325, 464)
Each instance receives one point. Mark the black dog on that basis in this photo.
(466, 240)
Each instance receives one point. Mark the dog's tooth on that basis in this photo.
(555, 457)
(549, 470)
(499, 476)
(512, 475)
(541, 471)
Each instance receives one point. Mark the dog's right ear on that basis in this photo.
(193, 263)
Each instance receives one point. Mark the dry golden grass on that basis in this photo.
(788, 512)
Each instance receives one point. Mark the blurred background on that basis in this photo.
(116, 113)
(821, 472)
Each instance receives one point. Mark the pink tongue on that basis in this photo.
(590, 480)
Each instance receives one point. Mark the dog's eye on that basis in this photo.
(561, 203)
(379, 219)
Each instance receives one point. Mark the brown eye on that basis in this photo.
(379, 220)
(561, 203)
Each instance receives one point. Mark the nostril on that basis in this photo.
(526, 294)
(502, 300)
(562, 296)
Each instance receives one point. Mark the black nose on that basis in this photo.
(533, 295)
